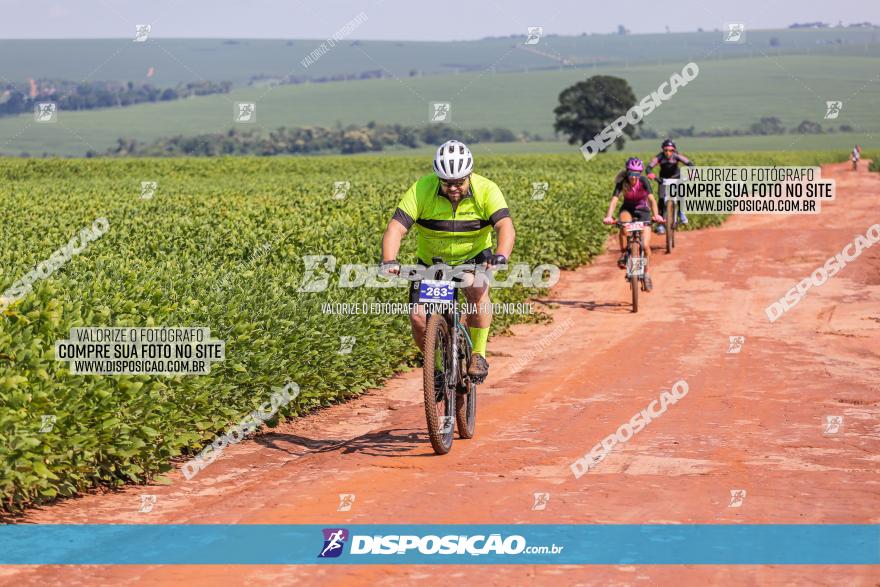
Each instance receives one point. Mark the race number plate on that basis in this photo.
(436, 292)
(636, 266)
(634, 226)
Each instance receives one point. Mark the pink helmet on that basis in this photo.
(634, 164)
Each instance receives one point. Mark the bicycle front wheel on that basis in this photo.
(670, 225)
(439, 398)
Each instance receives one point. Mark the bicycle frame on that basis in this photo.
(453, 318)
(632, 236)
(664, 184)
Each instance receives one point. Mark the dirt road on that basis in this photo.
(751, 421)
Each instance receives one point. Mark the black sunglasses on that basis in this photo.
(453, 183)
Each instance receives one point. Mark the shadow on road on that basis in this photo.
(390, 443)
(594, 306)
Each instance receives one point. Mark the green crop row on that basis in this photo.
(220, 245)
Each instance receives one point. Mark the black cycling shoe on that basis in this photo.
(621, 261)
(648, 284)
(479, 368)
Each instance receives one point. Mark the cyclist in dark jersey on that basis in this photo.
(668, 159)
(639, 205)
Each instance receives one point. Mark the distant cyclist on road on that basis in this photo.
(856, 155)
(638, 205)
(455, 210)
(669, 159)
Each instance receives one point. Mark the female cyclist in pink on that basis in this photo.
(638, 205)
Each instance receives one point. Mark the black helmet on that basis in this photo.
(668, 143)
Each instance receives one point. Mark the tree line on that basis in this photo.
(69, 95)
(310, 140)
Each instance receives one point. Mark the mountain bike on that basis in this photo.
(671, 213)
(450, 394)
(636, 261)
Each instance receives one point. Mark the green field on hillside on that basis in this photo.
(842, 142)
(729, 93)
(236, 60)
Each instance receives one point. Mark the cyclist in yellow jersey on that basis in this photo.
(456, 211)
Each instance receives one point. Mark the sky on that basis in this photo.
(405, 19)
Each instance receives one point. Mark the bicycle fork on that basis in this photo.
(453, 371)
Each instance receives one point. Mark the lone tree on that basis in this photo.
(589, 106)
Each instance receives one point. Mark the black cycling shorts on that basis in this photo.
(481, 257)
(638, 214)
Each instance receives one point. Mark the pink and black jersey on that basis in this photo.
(669, 165)
(633, 198)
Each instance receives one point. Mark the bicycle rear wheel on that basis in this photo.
(634, 281)
(439, 403)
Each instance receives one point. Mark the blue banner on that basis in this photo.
(711, 544)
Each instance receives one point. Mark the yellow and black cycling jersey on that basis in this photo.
(453, 233)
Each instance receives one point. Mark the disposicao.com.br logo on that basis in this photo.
(450, 544)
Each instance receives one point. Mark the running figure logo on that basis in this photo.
(46, 112)
(735, 32)
(47, 423)
(142, 32)
(541, 501)
(441, 112)
(346, 343)
(737, 497)
(833, 425)
(832, 109)
(539, 189)
(245, 112)
(346, 500)
(535, 34)
(340, 189)
(334, 540)
(148, 189)
(147, 503)
(736, 344)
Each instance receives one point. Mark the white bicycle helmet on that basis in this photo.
(453, 160)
